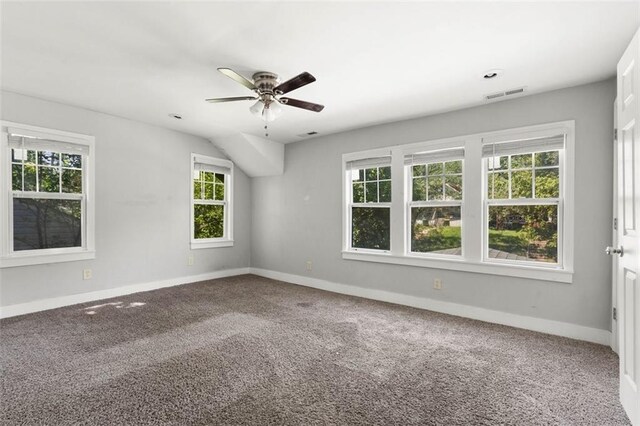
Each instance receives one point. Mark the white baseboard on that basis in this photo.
(74, 299)
(520, 321)
(557, 328)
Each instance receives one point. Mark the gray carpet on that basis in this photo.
(248, 350)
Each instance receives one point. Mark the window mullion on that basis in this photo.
(398, 216)
(473, 182)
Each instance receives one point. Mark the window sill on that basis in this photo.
(210, 244)
(520, 271)
(40, 259)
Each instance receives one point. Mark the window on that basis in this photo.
(211, 202)
(370, 203)
(435, 207)
(497, 203)
(523, 200)
(48, 213)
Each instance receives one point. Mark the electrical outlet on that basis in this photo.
(190, 260)
(87, 274)
(309, 265)
(437, 283)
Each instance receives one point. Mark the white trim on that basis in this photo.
(211, 243)
(519, 321)
(455, 263)
(51, 256)
(541, 325)
(74, 299)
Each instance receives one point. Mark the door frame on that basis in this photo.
(614, 235)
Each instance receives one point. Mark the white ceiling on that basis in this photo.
(374, 62)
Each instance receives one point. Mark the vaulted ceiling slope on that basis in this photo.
(374, 62)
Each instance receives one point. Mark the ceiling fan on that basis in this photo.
(269, 93)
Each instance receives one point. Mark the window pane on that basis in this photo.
(498, 163)
(208, 191)
(219, 178)
(549, 158)
(385, 191)
(357, 175)
(197, 189)
(42, 224)
(17, 155)
(219, 192)
(527, 233)
(208, 221)
(370, 227)
(434, 185)
(372, 174)
(208, 176)
(419, 189)
(29, 177)
(436, 230)
(48, 158)
(16, 177)
(453, 187)
(49, 178)
(372, 192)
(72, 160)
(434, 169)
(498, 185)
(72, 181)
(452, 167)
(420, 170)
(521, 161)
(521, 184)
(547, 183)
(358, 192)
(385, 172)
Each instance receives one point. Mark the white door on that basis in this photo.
(628, 140)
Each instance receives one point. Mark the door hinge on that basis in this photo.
(615, 135)
(615, 223)
(615, 314)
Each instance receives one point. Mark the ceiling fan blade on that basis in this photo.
(238, 98)
(237, 77)
(294, 83)
(302, 104)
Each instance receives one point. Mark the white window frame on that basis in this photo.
(473, 207)
(559, 202)
(227, 238)
(10, 258)
(348, 185)
(431, 203)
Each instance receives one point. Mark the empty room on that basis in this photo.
(319, 213)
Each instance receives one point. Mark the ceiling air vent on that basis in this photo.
(505, 93)
(495, 95)
(304, 135)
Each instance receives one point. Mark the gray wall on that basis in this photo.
(142, 206)
(297, 216)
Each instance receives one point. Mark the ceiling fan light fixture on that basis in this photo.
(257, 108)
(271, 111)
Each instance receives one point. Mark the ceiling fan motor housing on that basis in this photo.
(265, 81)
